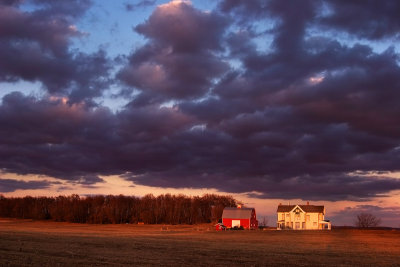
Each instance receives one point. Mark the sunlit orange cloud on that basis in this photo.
(116, 185)
(315, 80)
(175, 2)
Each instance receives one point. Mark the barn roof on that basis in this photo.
(306, 208)
(236, 213)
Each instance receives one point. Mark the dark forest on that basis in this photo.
(99, 209)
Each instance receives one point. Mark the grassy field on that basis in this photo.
(27, 243)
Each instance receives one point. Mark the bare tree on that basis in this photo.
(264, 221)
(366, 220)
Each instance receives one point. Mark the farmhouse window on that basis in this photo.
(297, 225)
(308, 218)
(303, 225)
(283, 216)
(315, 224)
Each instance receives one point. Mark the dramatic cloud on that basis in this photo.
(49, 135)
(372, 19)
(179, 61)
(268, 97)
(35, 46)
(10, 185)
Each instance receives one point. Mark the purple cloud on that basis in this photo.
(179, 61)
(366, 19)
(214, 106)
(10, 185)
(45, 44)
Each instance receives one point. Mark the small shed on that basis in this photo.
(240, 217)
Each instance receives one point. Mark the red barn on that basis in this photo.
(245, 217)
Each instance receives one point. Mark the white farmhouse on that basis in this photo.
(302, 217)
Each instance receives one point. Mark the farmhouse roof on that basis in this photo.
(236, 213)
(306, 208)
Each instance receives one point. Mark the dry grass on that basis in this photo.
(26, 243)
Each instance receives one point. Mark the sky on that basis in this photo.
(268, 101)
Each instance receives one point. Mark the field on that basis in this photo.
(27, 243)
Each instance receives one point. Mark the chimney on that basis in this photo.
(308, 203)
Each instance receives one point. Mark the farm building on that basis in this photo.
(302, 217)
(240, 217)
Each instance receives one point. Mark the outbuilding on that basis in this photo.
(240, 217)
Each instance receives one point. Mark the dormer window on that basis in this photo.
(297, 211)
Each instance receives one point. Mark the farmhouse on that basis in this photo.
(240, 217)
(302, 217)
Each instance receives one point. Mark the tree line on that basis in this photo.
(99, 209)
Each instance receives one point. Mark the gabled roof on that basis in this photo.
(312, 208)
(305, 208)
(236, 213)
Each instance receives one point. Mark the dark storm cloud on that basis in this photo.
(10, 2)
(354, 188)
(70, 142)
(300, 115)
(10, 185)
(179, 61)
(50, 135)
(42, 38)
(371, 19)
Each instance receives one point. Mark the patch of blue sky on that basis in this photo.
(169, 104)
(114, 100)
(263, 43)
(205, 5)
(381, 45)
(29, 6)
(25, 87)
(377, 46)
(110, 26)
(263, 34)
(236, 64)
